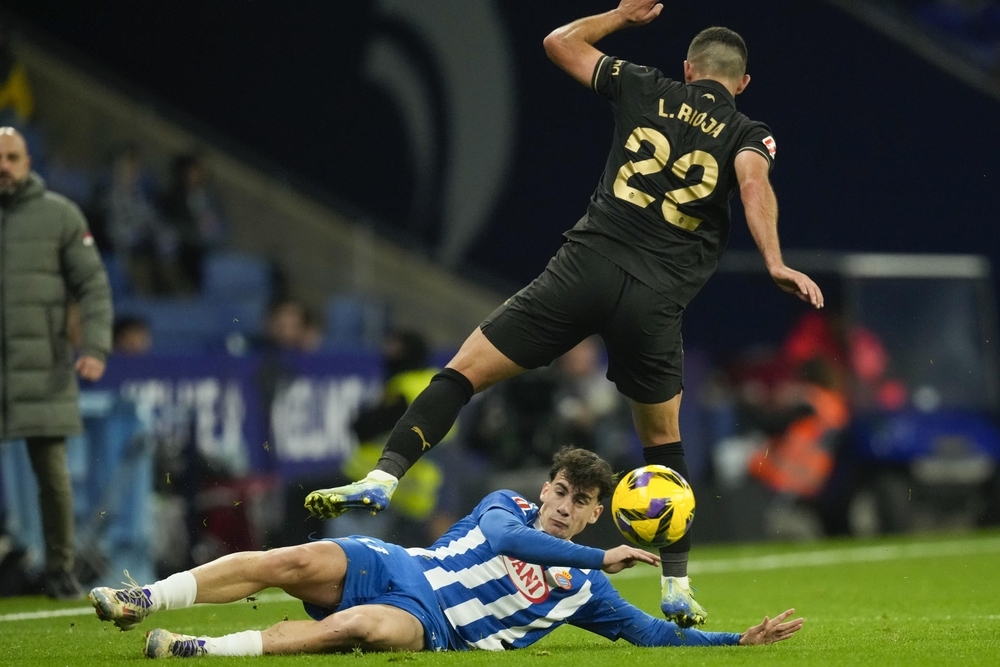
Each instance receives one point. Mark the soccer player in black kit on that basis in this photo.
(652, 235)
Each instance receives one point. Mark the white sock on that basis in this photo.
(381, 476)
(683, 582)
(175, 592)
(249, 642)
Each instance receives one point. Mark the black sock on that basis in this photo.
(426, 421)
(674, 557)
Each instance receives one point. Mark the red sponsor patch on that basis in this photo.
(522, 503)
(772, 147)
(88, 239)
(529, 579)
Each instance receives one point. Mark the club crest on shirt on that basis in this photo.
(563, 579)
(529, 579)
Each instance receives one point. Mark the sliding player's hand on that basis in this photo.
(772, 630)
(619, 558)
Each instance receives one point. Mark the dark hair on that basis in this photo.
(584, 470)
(718, 51)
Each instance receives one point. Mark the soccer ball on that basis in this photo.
(653, 506)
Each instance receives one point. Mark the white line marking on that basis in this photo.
(270, 596)
(52, 613)
(834, 557)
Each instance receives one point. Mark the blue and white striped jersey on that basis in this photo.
(512, 599)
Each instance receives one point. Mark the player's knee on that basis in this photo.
(354, 627)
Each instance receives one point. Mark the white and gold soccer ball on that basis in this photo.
(653, 506)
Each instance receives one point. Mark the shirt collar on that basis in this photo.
(716, 87)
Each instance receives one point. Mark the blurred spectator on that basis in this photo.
(140, 239)
(284, 326)
(520, 423)
(594, 414)
(798, 459)
(131, 336)
(193, 212)
(796, 463)
(312, 331)
(514, 425)
(855, 356)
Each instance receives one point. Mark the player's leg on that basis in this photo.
(658, 423)
(476, 366)
(55, 501)
(312, 572)
(645, 357)
(374, 627)
(529, 330)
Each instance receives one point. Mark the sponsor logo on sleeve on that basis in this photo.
(772, 147)
(522, 503)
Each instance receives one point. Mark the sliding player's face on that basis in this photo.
(565, 509)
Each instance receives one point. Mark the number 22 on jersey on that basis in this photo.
(657, 163)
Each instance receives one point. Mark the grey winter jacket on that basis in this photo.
(47, 258)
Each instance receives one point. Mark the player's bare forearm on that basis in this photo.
(761, 209)
(571, 46)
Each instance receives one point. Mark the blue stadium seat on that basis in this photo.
(245, 315)
(180, 325)
(230, 276)
(356, 321)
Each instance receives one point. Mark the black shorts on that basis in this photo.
(581, 293)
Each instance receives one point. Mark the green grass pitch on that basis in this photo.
(922, 600)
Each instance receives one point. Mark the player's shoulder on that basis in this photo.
(615, 67)
(61, 205)
(510, 500)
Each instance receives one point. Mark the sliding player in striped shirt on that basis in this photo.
(501, 578)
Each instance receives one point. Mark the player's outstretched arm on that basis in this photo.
(572, 45)
(761, 209)
(772, 630)
(624, 556)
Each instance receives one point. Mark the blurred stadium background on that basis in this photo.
(314, 180)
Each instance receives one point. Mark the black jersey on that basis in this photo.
(661, 209)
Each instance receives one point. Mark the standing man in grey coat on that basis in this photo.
(47, 259)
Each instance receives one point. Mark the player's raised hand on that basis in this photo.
(799, 284)
(772, 630)
(639, 12)
(624, 556)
